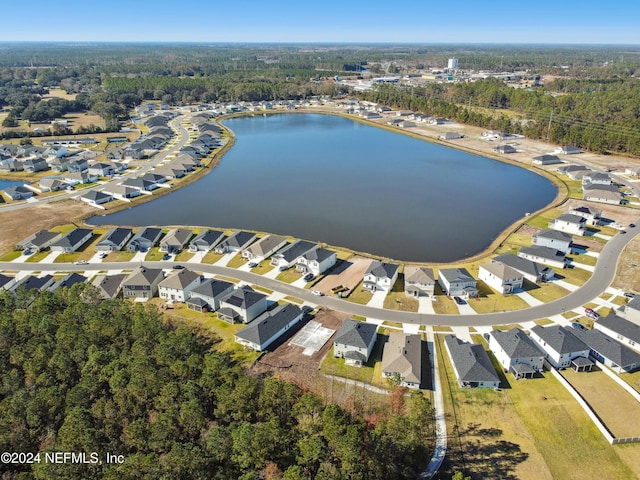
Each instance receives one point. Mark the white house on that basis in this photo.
(380, 276)
(177, 287)
(269, 326)
(457, 282)
(553, 239)
(316, 261)
(402, 359)
(72, 241)
(569, 223)
(419, 281)
(545, 255)
(559, 344)
(516, 352)
(471, 364)
(623, 330)
(264, 248)
(354, 342)
(502, 278)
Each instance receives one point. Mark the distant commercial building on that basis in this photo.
(452, 64)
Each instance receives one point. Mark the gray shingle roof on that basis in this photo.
(356, 334)
(621, 326)
(520, 264)
(403, 354)
(244, 297)
(554, 235)
(544, 252)
(560, 339)
(115, 236)
(516, 343)
(382, 269)
(608, 347)
(143, 276)
(68, 281)
(571, 218)
(266, 244)
(269, 323)
(180, 280)
(471, 361)
(422, 275)
(109, 285)
(211, 288)
(208, 238)
(296, 250)
(240, 239)
(456, 275)
(319, 254)
(72, 238)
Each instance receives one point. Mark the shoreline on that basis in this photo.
(560, 198)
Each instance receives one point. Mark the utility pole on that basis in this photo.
(549, 127)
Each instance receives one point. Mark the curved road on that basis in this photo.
(600, 279)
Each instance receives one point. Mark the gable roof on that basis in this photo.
(109, 285)
(419, 275)
(544, 252)
(177, 236)
(608, 347)
(143, 276)
(471, 361)
(33, 283)
(266, 244)
(456, 275)
(560, 339)
(403, 354)
(240, 239)
(501, 270)
(39, 238)
(554, 235)
(381, 269)
(208, 237)
(149, 234)
(180, 280)
(620, 326)
(516, 343)
(319, 254)
(570, 218)
(524, 265)
(212, 288)
(68, 281)
(296, 249)
(96, 196)
(269, 323)
(72, 238)
(116, 236)
(356, 334)
(244, 297)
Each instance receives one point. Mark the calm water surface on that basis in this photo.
(329, 179)
(10, 183)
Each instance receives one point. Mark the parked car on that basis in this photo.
(632, 225)
(578, 326)
(459, 301)
(103, 254)
(282, 268)
(317, 293)
(178, 267)
(630, 295)
(592, 314)
(253, 264)
(81, 262)
(27, 252)
(308, 277)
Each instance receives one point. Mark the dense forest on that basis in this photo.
(591, 97)
(82, 375)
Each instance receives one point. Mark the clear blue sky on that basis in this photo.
(353, 21)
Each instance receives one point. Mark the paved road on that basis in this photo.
(599, 281)
(144, 168)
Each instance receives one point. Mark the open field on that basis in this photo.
(607, 399)
(628, 273)
(348, 272)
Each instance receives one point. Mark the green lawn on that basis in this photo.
(211, 257)
(360, 295)
(184, 256)
(290, 275)
(497, 303)
(119, 257)
(291, 299)
(337, 367)
(397, 300)
(548, 292)
(236, 261)
(36, 257)
(154, 255)
(258, 288)
(263, 267)
(542, 220)
(10, 256)
(444, 305)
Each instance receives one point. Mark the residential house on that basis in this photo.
(18, 193)
(597, 178)
(59, 164)
(101, 169)
(566, 169)
(316, 261)
(546, 159)
(602, 194)
(142, 283)
(505, 149)
(242, 305)
(206, 296)
(502, 278)
(206, 241)
(269, 326)
(75, 178)
(141, 184)
(11, 165)
(49, 184)
(402, 359)
(631, 311)
(31, 282)
(380, 276)
(471, 364)
(593, 216)
(569, 223)
(608, 351)
(78, 165)
(121, 192)
(6, 283)
(532, 271)
(40, 240)
(33, 165)
(545, 255)
(145, 239)
(114, 240)
(109, 286)
(560, 346)
(236, 242)
(516, 352)
(177, 287)
(450, 136)
(175, 240)
(354, 342)
(419, 281)
(264, 248)
(457, 282)
(554, 239)
(623, 330)
(289, 256)
(73, 240)
(568, 150)
(68, 281)
(95, 197)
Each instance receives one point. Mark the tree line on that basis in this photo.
(82, 375)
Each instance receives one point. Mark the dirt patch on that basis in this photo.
(18, 224)
(287, 359)
(617, 213)
(628, 274)
(348, 272)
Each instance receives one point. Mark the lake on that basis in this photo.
(329, 179)
(10, 183)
